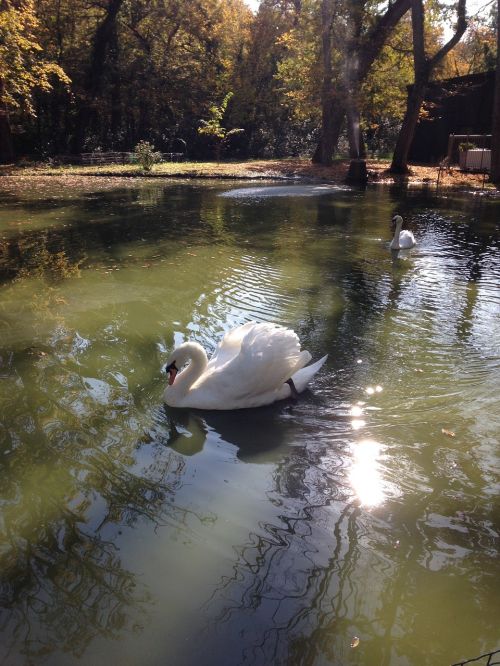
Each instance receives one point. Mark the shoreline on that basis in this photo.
(286, 170)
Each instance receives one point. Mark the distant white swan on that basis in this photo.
(253, 365)
(402, 240)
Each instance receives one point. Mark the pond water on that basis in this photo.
(367, 514)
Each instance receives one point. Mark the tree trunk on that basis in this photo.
(6, 148)
(363, 52)
(495, 129)
(423, 68)
(102, 39)
(115, 94)
(327, 102)
(354, 134)
(333, 119)
(405, 137)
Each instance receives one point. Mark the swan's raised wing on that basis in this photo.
(268, 356)
(229, 346)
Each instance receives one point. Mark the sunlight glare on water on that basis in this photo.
(365, 473)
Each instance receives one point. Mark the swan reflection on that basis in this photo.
(265, 441)
(365, 476)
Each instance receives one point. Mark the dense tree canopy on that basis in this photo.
(82, 75)
(23, 67)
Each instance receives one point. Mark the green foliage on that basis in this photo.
(384, 93)
(466, 145)
(298, 71)
(146, 154)
(23, 67)
(164, 62)
(213, 127)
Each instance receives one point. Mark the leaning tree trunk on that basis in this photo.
(366, 51)
(6, 147)
(495, 130)
(423, 68)
(405, 137)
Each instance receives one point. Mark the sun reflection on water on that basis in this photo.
(365, 476)
(357, 422)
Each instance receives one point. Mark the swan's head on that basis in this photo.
(171, 371)
(397, 220)
(188, 351)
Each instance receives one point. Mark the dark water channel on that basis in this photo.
(135, 534)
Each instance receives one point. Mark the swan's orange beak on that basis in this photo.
(171, 371)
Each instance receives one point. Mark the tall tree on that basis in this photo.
(141, 69)
(495, 143)
(362, 31)
(23, 68)
(332, 114)
(104, 38)
(424, 67)
(6, 147)
(260, 105)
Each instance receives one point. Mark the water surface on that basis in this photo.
(144, 535)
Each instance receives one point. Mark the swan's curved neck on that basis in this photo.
(193, 352)
(395, 241)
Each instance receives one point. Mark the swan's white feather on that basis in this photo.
(403, 239)
(249, 368)
(229, 346)
(303, 376)
(406, 239)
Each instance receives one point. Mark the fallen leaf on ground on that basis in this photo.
(354, 642)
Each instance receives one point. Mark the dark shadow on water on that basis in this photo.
(261, 435)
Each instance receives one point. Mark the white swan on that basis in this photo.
(253, 365)
(402, 240)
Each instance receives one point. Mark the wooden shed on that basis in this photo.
(461, 105)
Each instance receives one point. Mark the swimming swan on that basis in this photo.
(253, 365)
(402, 240)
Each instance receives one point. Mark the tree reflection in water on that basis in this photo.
(64, 500)
(63, 582)
(293, 577)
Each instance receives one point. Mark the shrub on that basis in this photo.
(147, 155)
(466, 145)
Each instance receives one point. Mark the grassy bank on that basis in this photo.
(261, 169)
